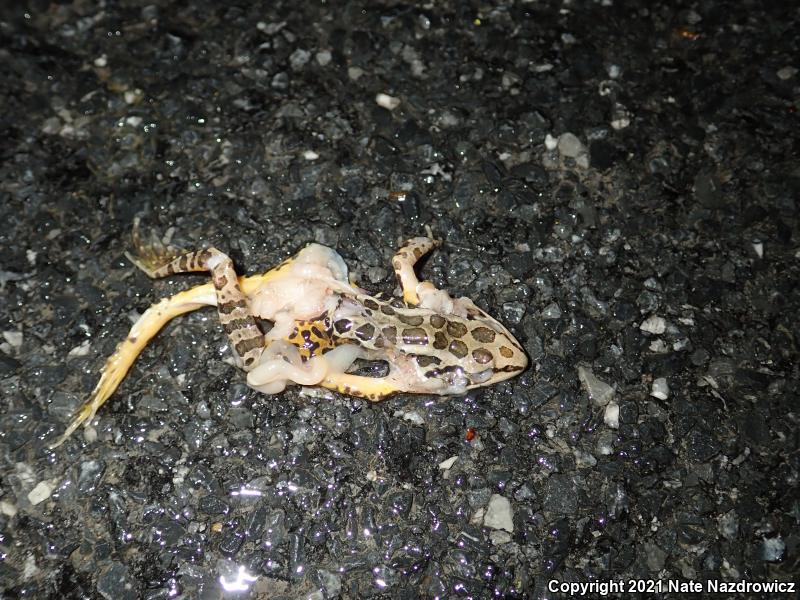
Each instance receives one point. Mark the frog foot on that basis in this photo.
(151, 254)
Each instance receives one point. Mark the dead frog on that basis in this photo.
(432, 343)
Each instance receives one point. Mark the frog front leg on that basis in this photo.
(423, 293)
(403, 264)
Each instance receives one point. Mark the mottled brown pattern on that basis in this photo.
(343, 326)
(413, 320)
(483, 334)
(234, 324)
(426, 361)
(439, 341)
(390, 333)
(438, 321)
(456, 329)
(228, 307)
(365, 332)
(508, 369)
(458, 348)
(244, 346)
(415, 335)
(481, 356)
(506, 352)
(370, 303)
(387, 310)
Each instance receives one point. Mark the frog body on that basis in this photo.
(323, 324)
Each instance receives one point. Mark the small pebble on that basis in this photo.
(551, 311)
(599, 391)
(772, 549)
(410, 415)
(605, 443)
(89, 434)
(299, 58)
(80, 350)
(620, 117)
(133, 96)
(40, 493)
(323, 58)
(386, 101)
(498, 538)
(14, 338)
(660, 389)
(654, 324)
(569, 145)
(8, 508)
(584, 460)
(498, 514)
(611, 415)
(446, 464)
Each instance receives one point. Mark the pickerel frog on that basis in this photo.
(432, 343)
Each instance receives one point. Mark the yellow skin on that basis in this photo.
(433, 344)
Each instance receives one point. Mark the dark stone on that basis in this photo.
(602, 154)
(212, 505)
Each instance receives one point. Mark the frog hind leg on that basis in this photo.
(246, 338)
(120, 362)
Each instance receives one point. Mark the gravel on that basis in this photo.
(616, 183)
